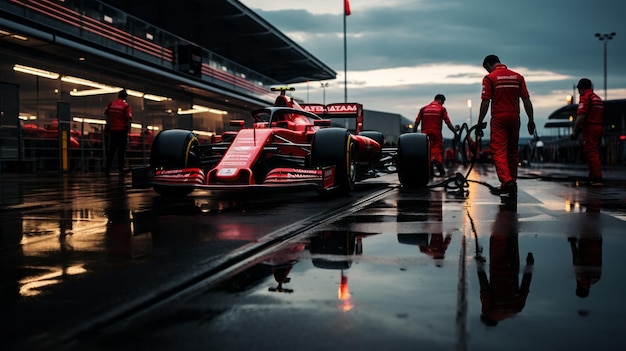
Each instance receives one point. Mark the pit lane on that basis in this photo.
(80, 253)
(420, 269)
(397, 295)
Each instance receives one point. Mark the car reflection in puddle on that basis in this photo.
(381, 257)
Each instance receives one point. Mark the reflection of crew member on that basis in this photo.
(119, 232)
(281, 262)
(503, 297)
(587, 252)
(437, 247)
(431, 241)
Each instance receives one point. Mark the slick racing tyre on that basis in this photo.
(174, 149)
(369, 165)
(413, 160)
(333, 147)
(377, 137)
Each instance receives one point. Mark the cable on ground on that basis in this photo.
(459, 183)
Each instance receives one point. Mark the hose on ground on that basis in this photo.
(458, 183)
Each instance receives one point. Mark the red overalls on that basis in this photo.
(504, 88)
(591, 105)
(432, 117)
(119, 114)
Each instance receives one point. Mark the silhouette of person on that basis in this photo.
(431, 243)
(587, 252)
(281, 262)
(501, 294)
(119, 114)
(432, 117)
(437, 247)
(119, 232)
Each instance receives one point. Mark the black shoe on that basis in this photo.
(593, 182)
(439, 167)
(508, 205)
(506, 190)
(442, 171)
(510, 189)
(496, 190)
(596, 182)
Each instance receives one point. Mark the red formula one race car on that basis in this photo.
(288, 146)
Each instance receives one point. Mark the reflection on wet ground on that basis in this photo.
(417, 268)
(54, 229)
(422, 269)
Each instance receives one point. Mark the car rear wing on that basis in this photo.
(345, 110)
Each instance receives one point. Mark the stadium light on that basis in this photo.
(604, 38)
(324, 86)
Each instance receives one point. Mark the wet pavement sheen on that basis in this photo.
(419, 269)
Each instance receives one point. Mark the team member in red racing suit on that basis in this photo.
(501, 293)
(119, 114)
(433, 115)
(589, 121)
(502, 88)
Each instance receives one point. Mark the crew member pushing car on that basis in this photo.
(432, 117)
(119, 115)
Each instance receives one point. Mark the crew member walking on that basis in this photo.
(432, 117)
(589, 121)
(119, 115)
(502, 88)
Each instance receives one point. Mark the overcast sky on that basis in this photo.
(401, 53)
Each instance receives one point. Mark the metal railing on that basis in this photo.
(86, 153)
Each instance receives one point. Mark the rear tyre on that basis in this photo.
(376, 136)
(413, 160)
(334, 147)
(174, 149)
(367, 168)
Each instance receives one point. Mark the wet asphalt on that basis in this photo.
(414, 269)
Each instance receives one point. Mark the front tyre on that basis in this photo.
(174, 149)
(413, 160)
(334, 147)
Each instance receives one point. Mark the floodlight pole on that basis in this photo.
(345, 56)
(324, 86)
(604, 38)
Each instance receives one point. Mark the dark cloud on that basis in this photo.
(542, 35)
(548, 35)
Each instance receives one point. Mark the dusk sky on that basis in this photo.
(401, 53)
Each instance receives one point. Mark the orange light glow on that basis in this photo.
(344, 294)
